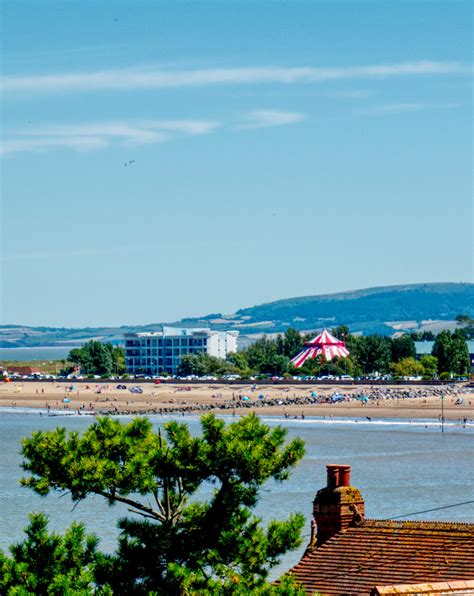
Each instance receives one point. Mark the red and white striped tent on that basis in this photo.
(323, 344)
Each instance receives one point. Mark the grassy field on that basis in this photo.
(47, 367)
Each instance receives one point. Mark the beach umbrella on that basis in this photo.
(323, 344)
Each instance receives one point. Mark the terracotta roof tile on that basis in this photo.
(456, 587)
(384, 552)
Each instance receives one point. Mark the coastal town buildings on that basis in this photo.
(350, 554)
(161, 351)
(19, 370)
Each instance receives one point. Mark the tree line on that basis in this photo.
(368, 355)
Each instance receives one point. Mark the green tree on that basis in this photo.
(459, 359)
(45, 564)
(407, 367)
(429, 364)
(182, 545)
(262, 357)
(422, 335)
(200, 365)
(118, 359)
(341, 332)
(292, 343)
(373, 353)
(98, 358)
(403, 347)
(239, 361)
(442, 351)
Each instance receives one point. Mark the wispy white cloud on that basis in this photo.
(398, 108)
(268, 118)
(97, 135)
(38, 144)
(147, 78)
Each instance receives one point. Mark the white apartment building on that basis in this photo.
(161, 351)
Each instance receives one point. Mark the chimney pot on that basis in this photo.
(344, 475)
(338, 506)
(333, 475)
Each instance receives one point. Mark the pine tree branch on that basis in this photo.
(159, 503)
(135, 504)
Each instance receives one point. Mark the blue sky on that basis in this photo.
(273, 150)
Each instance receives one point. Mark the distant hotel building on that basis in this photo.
(161, 351)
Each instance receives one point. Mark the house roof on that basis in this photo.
(452, 587)
(23, 370)
(385, 553)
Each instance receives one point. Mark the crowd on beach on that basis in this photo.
(373, 396)
(133, 399)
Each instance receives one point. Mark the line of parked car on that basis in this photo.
(224, 378)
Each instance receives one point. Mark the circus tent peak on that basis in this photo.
(325, 345)
(325, 338)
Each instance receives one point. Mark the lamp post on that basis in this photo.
(442, 413)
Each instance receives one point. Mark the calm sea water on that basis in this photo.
(400, 467)
(39, 353)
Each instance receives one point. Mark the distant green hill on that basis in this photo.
(373, 307)
(382, 310)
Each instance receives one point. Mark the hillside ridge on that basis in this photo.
(382, 309)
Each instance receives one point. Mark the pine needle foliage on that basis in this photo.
(177, 542)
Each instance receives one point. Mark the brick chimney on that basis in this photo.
(338, 506)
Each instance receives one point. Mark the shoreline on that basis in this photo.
(284, 401)
(274, 413)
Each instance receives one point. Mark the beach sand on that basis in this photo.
(165, 398)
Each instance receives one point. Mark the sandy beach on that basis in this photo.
(292, 400)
